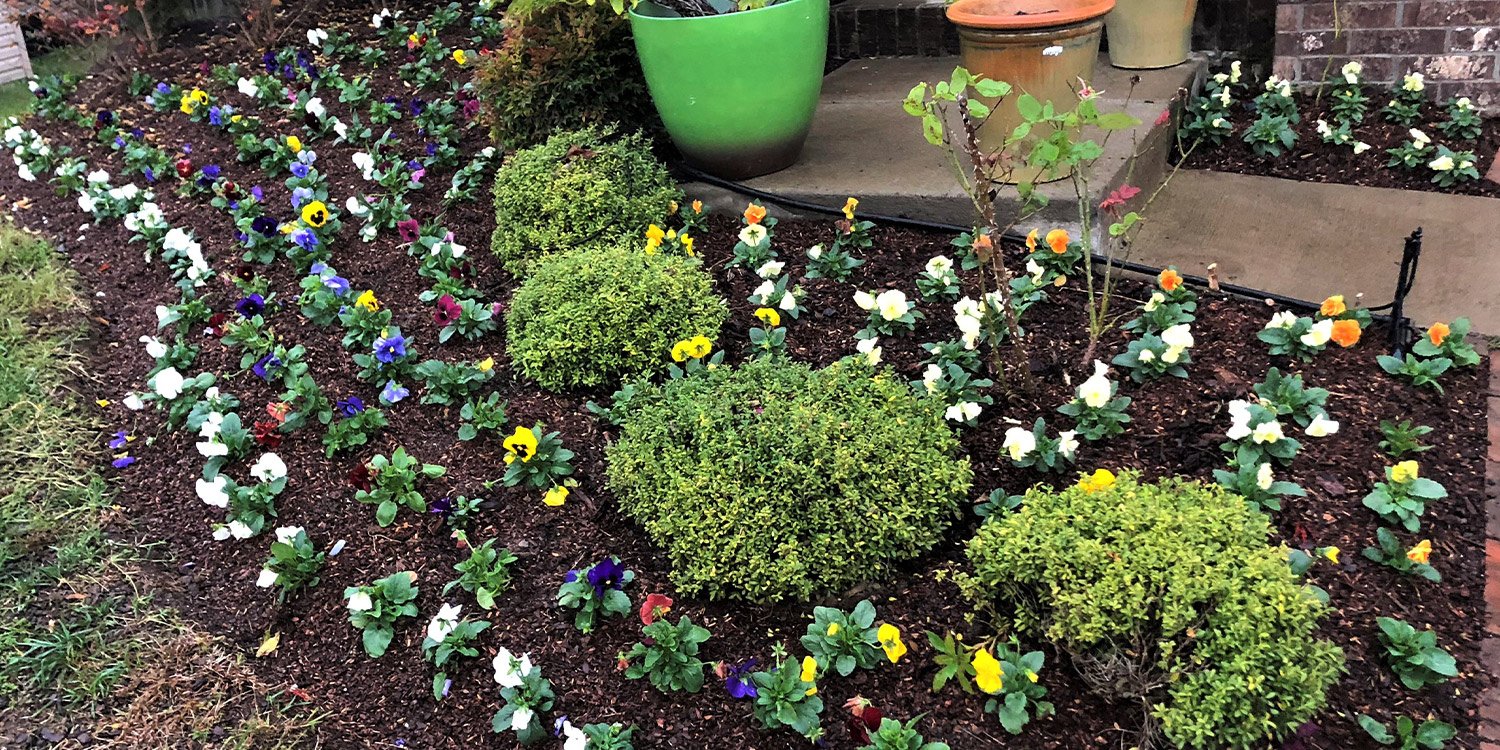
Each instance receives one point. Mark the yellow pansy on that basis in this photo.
(890, 640)
(849, 206)
(1101, 479)
(769, 316)
(367, 300)
(1404, 472)
(687, 244)
(556, 496)
(1420, 553)
(461, 57)
(833, 629)
(987, 672)
(810, 674)
(655, 234)
(696, 347)
(294, 143)
(486, 364)
(1331, 554)
(315, 214)
(520, 445)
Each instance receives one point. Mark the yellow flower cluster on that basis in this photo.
(192, 100)
(696, 347)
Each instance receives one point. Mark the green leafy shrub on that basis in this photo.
(564, 64)
(1165, 593)
(595, 317)
(582, 189)
(775, 480)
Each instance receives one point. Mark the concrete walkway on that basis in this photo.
(1310, 240)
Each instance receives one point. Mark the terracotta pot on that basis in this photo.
(1150, 33)
(1046, 48)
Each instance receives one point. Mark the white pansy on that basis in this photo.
(1234, 72)
(1239, 418)
(239, 530)
(939, 265)
(931, 376)
(770, 269)
(1319, 334)
(762, 294)
(509, 669)
(355, 207)
(788, 302)
(1419, 138)
(753, 234)
(1267, 432)
(85, 203)
(1219, 122)
(871, 349)
(1463, 103)
(1067, 443)
(315, 107)
(1146, 355)
(97, 177)
(521, 719)
(1351, 71)
(1224, 98)
(366, 164)
(1034, 270)
(268, 468)
(1156, 300)
(221, 533)
(1097, 390)
(212, 423)
(1019, 443)
(1324, 129)
(1263, 477)
(1360, 147)
(155, 349)
(1221, 78)
(865, 300)
(133, 402)
(1178, 338)
(267, 578)
(1413, 82)
(212, 449)
(25, 173)
(962, 411)
(1443, 163)
(892, 304)
(340, 129)
(213, 492)
(360, 601)
(167, 383)
(288, 534)
(444, 623)
(316, 37)
(573, 737)
(1283, 319)
(248, 88)
(1322, 426)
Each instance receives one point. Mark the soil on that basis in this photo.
(1312, 160)
(1176, 428)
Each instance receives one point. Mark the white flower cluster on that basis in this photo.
(890, 304)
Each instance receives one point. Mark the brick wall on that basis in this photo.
(1454, 43)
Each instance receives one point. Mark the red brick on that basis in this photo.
(1403, 41)
(1480, 39)
(1289, 18)
(1457, 67)
(1455, 13)
(1355, 15)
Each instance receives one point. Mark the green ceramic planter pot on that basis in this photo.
(736, 91)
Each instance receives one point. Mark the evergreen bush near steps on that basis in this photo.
(773, 480)
(1165, 593)
(596, 317)
(580, 190)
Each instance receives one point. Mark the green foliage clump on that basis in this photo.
(596, 317)
(1165, 593)
(582, 189)
(774, 480)
(564, 64)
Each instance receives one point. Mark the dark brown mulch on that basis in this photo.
(1176, 428)
(1312, 160)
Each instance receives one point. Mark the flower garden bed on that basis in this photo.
(1176, 428)
(1316, 158)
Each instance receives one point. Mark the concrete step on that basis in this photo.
(863, 144)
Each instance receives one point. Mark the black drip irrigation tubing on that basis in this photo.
(1400, 324)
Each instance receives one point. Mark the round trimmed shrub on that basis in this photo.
(773, 480)
(582, 189)
(1165, 593)
(596, 317)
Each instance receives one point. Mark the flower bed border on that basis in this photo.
(1489, 649)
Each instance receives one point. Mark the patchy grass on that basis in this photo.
(15, 98)
(82, 649)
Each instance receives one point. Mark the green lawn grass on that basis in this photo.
(15, 98)
(80, 645)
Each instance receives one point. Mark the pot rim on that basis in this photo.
(1013, 14)
(716, 18)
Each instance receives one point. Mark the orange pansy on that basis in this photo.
(1057, 239)
(1345, 333)
(754, 214)
(1169, 279)
(1333, 306)
(1437, 333)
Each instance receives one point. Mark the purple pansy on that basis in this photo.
(119, 440)
(608, 573)
(392, 393)
(390, 348)
(351, 406)
(250, 306)
(737, 680)
(266, 366)
(305, 239)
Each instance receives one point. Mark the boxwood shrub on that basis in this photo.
(597, 317)
(773, 480)
(1167, 593)
(581, 189)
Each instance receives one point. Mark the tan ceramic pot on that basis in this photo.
(1150, 33)
(1046, 48)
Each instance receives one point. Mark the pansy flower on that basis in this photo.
(265, 367)
(123, 460)
(184, 167)
(266, 434)
(264, 225)
(299, 169)
(446, 311)
(315, 214)
(393, 392)
(409, 230)
(607, 574)
(737, 679)
(655, 606)
(250, 306)
(390, 348)
(360, 477)
(305, 239)
(300, 196)
(351, 406)
(521, 444)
